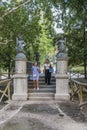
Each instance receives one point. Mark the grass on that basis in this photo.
(78, 68)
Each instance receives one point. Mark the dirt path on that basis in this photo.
(43, 115)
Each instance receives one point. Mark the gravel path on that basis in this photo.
(2, 104)
(43, 115)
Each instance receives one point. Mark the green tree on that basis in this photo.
(72, 18)
(23, 17)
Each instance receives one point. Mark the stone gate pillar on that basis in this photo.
(20, 76)
(62, 90)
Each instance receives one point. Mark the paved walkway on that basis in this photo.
(37, 115)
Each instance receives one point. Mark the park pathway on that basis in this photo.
(39, 115)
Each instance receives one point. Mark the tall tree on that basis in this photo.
(73, 17)
(23, 17)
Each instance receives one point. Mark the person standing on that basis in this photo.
(46, 70)
(35, 73)
(51, 70)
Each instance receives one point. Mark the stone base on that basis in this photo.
(22, 97)
(61, 66)
(20, 87)
(62, 87)
(62, 97)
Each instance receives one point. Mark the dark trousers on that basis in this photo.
(47, 76)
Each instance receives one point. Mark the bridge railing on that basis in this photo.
(5, 89)
(3, 76)
(73, 74)
(78, 88)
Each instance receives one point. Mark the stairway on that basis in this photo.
(46, 92)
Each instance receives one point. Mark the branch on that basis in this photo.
(15, 8)
(6, 42)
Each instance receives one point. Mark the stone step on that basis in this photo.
(31, 83)
(42, 90)
(44, 76)
(41, 96)
(34, 94)
(46, 92)
(43, 80)
(43, 86)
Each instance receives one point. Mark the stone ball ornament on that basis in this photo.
(20, 56)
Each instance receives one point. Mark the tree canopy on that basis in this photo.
(34, 20)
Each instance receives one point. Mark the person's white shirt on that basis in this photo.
(47, 66)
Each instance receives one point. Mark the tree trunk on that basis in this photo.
(0, 74)
(85, 67)
(9, 72)
(84, 41)
(9, 68)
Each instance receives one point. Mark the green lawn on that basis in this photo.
(78, 68)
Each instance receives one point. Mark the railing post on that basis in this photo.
(81, 95)
(70, 74)
(78, 74)
(9, 95)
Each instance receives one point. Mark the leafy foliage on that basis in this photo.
(34, 20)
(27, 21)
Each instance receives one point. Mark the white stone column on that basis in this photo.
(62, 88)
(20, 78)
